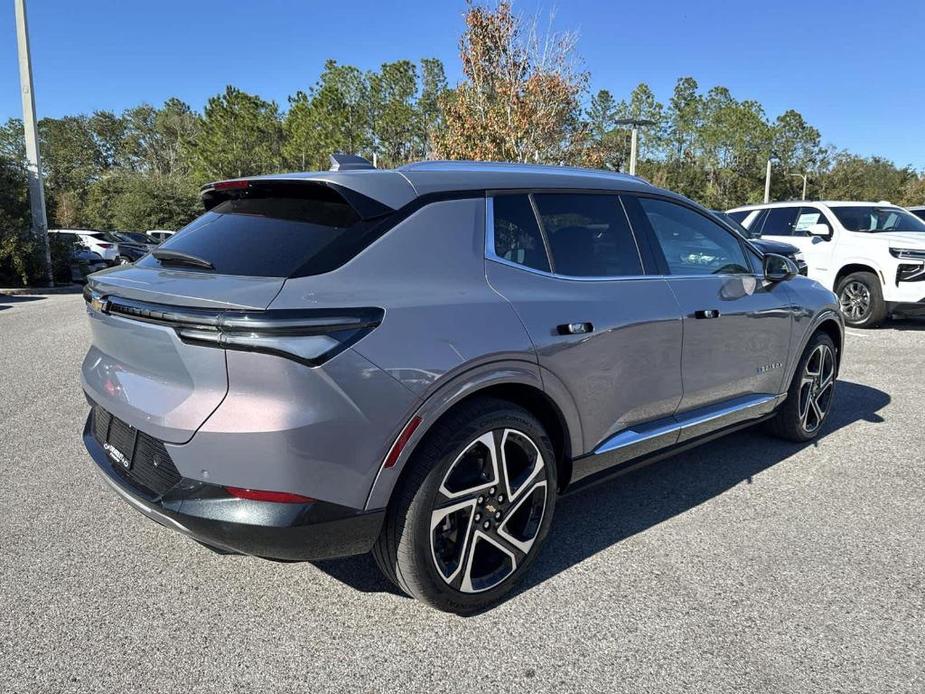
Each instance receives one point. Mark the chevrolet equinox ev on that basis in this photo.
(417, 362)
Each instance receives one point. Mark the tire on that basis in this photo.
(797, 419)
(431, 545)
(861, 299)
(122, 260)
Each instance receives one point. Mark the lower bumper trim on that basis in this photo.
(207, 514)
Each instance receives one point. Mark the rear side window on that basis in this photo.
(517, 235)
(780, 221)
(267, 232)
(807, 217)
(740, 215)
(588, 235)
(693, 244)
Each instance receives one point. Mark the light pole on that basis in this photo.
(33, 162)
(767, 183)
(803, 176)
(634, 138)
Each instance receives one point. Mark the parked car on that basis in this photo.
(918, 211)
(138, 238)
(97, 241)
(766, 245)
(114, 249)
(871, 254)
(160, 235)
(130, 250)
(85, 262)
(418, 362)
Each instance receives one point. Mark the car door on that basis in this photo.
(737, 327)
(608, 333)
(790, 224)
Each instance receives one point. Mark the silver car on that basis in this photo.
(417, 362)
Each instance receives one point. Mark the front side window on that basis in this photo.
(691, 243)
(588, 235)
(517, 234)
(780, 221)
(874, 218)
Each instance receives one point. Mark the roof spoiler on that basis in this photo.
(349, 162)
(366, 207)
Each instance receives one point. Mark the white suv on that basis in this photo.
(97, 241)
(872, 255)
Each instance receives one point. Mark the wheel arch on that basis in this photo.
(857, 266)
(518, 383)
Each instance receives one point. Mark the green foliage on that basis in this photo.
(240, 135)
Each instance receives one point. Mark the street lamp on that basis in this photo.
(634, 138)
(767, 178)
(803, 176)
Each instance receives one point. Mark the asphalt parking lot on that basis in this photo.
(747, 565)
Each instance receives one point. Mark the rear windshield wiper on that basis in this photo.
(168, 257)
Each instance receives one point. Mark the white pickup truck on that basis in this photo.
(872, 255)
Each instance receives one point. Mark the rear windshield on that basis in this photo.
(266, 233)
(874, 218)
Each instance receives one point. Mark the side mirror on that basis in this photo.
(779, 268)
(819, 230)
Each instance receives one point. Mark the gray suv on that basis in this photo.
(417, 362)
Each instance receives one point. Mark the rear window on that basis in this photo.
(269, 232)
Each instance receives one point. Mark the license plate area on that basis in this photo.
(116, 437)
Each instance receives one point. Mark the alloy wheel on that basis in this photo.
(855, 301)
(488, 510)
(816, 388)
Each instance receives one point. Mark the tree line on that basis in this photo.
(523, 97)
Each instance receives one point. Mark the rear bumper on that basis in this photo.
(206, 513)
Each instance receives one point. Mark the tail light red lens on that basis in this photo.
(262, 495)
(104, 245)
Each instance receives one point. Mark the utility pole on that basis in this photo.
(767, 183)
(803, 176)
(33, 162)
(634, 137)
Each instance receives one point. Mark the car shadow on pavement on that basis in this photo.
(593, 519)
(904, 324)
(7, 301)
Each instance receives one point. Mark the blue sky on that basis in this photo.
(854, 69)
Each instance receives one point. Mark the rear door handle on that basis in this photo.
(706, 313)
(574, 328)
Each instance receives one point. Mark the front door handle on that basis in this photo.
(707, 313)
(574, 328)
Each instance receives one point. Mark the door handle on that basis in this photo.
(706, 313)
(574, 328)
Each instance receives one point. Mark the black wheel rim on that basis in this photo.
(817, 387)
(855, 301)
(488, 511)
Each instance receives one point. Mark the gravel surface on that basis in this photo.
(747, 565)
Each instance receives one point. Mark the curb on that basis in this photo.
(28, 291)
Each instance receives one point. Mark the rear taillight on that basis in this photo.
(261, 495)
(104, 245)
(310, 336)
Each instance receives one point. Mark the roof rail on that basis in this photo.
(349, 162)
